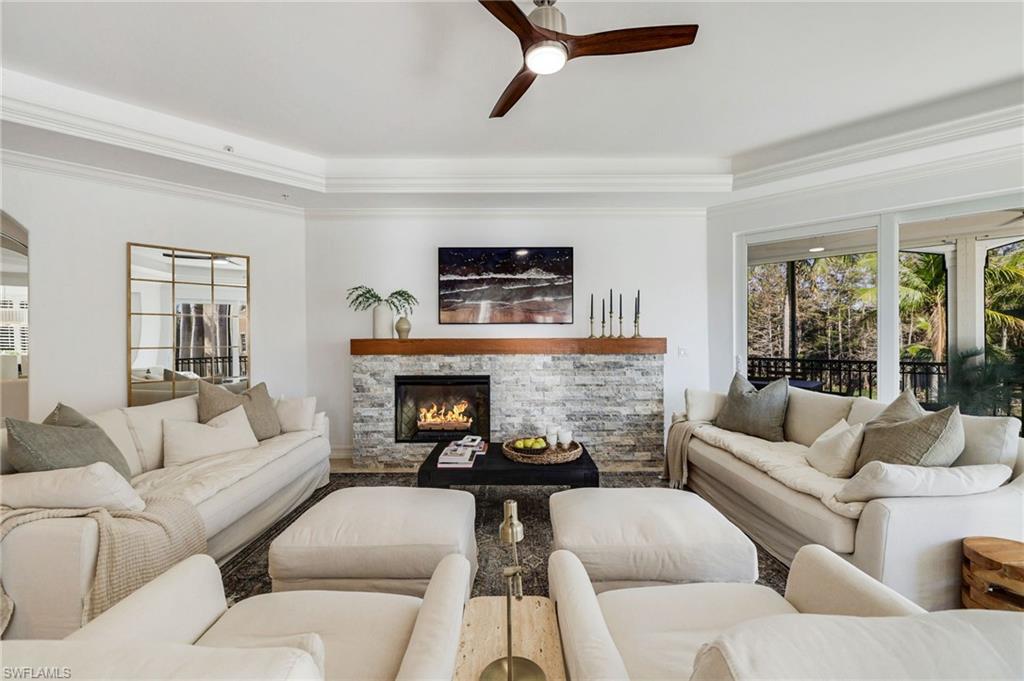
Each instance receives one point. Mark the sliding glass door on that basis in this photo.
(934, 305)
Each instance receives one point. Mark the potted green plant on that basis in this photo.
(399, 302)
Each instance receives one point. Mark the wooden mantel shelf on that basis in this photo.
(510, 346)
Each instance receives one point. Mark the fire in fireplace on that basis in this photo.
(439, 408)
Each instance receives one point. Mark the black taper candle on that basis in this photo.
(591, 305)
(602, 312)
(611, 304)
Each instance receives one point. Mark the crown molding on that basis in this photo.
(534, 184)
(1006, 118)
(509, 211)
(983, 159)
(50, 166)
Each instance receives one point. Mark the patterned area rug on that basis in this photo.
(246, 573)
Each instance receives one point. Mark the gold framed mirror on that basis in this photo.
(14, 318)
(189, 317)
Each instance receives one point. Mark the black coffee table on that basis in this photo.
(493, 468)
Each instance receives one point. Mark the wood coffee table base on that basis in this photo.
(993, 574)
(534, 636)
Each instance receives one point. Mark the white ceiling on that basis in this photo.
(410, 79)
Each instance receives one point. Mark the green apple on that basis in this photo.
(520, 444)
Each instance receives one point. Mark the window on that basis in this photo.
(7, 335)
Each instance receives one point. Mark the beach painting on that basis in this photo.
(505, 285)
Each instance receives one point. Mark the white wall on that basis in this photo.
(78, 230)
(663, 255)
(974, 177)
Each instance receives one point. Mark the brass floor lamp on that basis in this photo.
(510, 667)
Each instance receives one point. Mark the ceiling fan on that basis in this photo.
(547, 47)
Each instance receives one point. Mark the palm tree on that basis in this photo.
(923, 302)
(1004, 297)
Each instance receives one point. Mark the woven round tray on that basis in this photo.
(550, 455)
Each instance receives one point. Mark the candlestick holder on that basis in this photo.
(602, 329)
(591, 327)
(636, 327)
(621, 327)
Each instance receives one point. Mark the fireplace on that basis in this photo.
(442, 408)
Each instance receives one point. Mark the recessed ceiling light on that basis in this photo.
(286, 196)
(522, 251)
(816, 249)
(228, 148)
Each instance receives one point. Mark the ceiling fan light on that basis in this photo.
(546, 57)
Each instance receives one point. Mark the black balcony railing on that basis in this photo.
(853, 376)
(214, 366)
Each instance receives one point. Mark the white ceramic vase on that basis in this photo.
(383, 322)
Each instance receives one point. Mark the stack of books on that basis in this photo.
(462, 453)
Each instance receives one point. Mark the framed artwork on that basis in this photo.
(505, 285)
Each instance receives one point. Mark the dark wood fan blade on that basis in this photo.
(516, 89)
(628, 40)
(508, 13)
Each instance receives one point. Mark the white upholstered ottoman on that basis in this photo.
(386, 539)
(646, 536)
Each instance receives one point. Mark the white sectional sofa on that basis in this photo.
(48, 565)
(909, 544)
(834, 622)
(179, 627)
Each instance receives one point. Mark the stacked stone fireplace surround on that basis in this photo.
(613, 402)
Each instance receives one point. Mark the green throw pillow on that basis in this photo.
(761, 413)
(907, 434)
(65, 439)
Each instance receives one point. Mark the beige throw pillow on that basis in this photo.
(904, 433)
(185, 442)
(835, 451)
(259, 407)
(296, 414)
(879, 480)
(97, 485)
(760, 413)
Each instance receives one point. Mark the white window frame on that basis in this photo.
(887, 226)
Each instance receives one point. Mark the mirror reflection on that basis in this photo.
(189, 321)
(14, 365)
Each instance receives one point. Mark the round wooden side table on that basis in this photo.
(993, 574)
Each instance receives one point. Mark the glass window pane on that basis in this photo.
(151, 364)
(812, 312)
(962, 312)
(150, 297)
(152, 331)
(227, 361)
(230, 300)
(149, 392)
(192, 267)
(192, 299)
(150, 263)
(230, 270)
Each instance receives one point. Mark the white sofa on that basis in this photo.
(179, 627)
(834, 622)
(909, 544)
(48, 565)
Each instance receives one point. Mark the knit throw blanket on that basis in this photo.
(677, 448)
(134, 546)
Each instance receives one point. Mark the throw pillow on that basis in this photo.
(185, 442)
(259, 408)
(65, 439)
(904, 433)
(297, 414)
(879, 480)
(703, 405)
(310, 643)
(761, 413)
(92, 486)
(835, 451)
